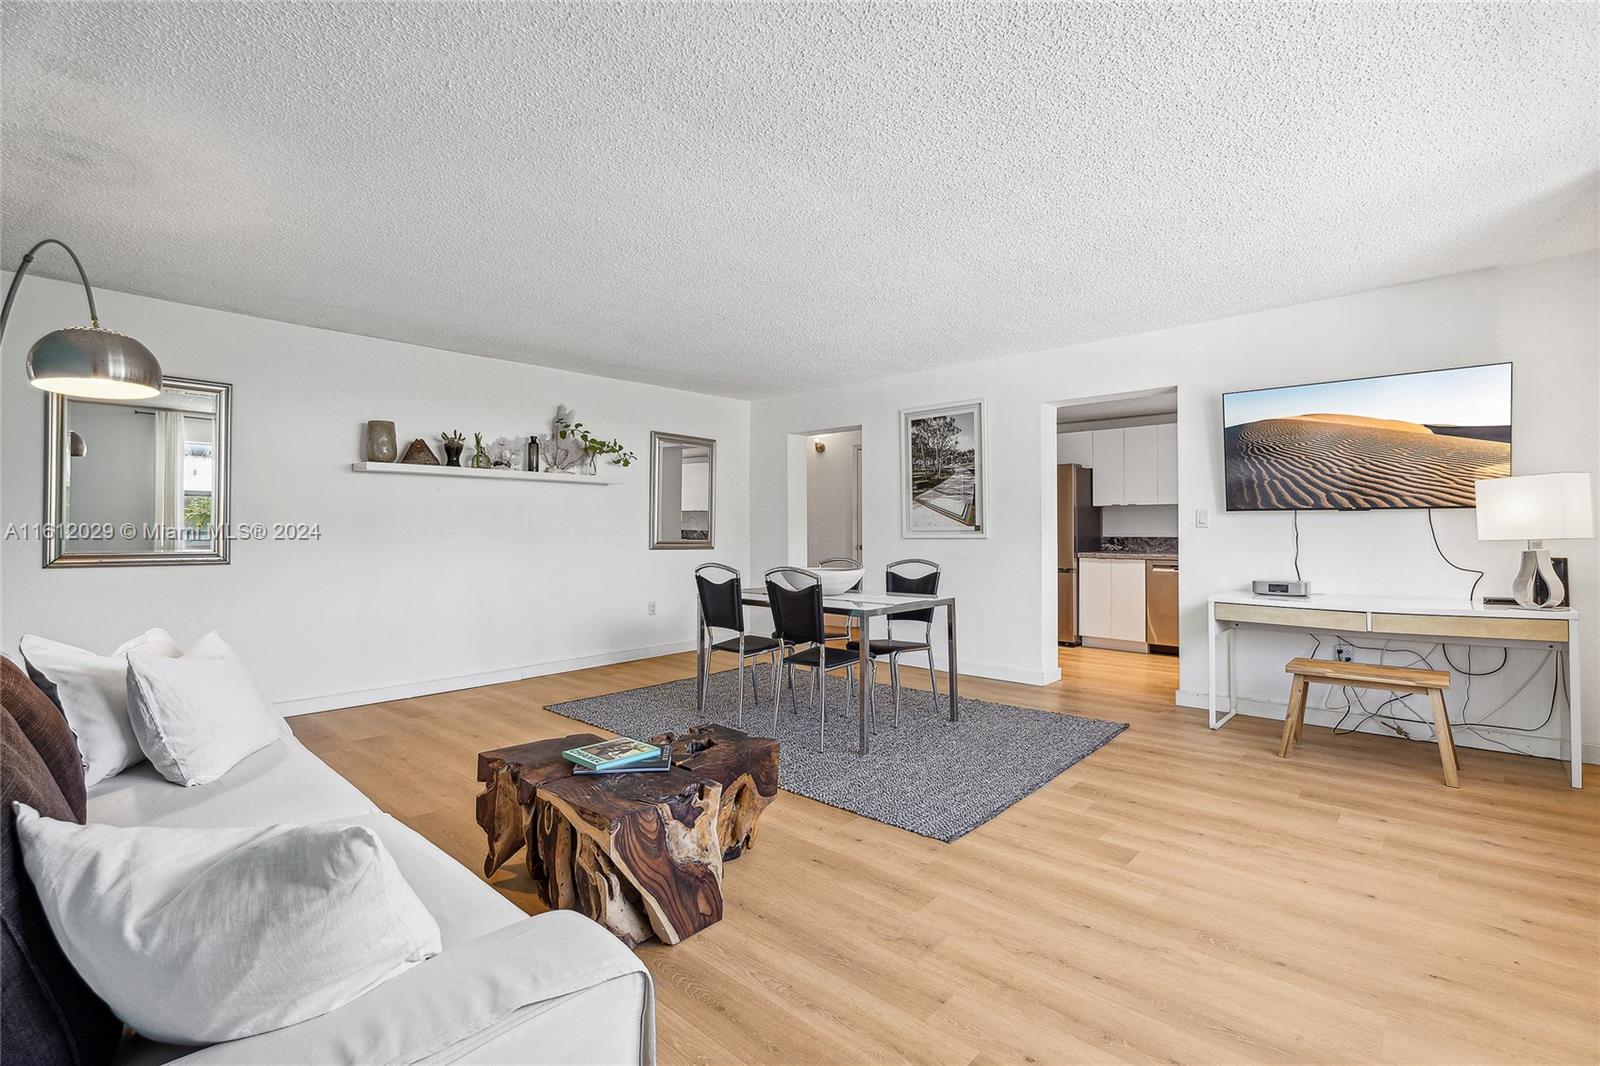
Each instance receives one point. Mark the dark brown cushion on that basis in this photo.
(47, 730)
(51, 1016)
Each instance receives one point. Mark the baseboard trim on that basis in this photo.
(1538, 746)
(1109, 644)
(1008, 673)
(433, 686)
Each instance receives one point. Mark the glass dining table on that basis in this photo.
(861, 607)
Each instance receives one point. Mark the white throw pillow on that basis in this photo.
(198, 715)
(194, 936)
(91, 691)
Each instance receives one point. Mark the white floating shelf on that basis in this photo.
(488, 475)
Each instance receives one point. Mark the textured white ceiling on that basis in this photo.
(750, 199)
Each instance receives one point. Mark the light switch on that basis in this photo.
(1202, 518)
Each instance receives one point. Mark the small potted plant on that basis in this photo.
(453, 443)
(593, 446)
(480, 456)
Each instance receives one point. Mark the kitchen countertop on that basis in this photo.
(1154, 557)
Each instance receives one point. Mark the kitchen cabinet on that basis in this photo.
(1111, 599)
(1094, 597)
(1075, 448)
(1137, 465)
(1108, 473)
(1167, 463)
(1127, 600)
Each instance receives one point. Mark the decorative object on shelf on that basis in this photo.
(491, 474)
(453, 443)
(381, 444)
(480, 457)
(533, 455)
(85, 361)
(941, 471)
(561, 449)
(593, 446)
(419, 454)
(1536, 508)
(505, 453)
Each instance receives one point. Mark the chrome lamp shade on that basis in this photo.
(94, 363)
(86, 361)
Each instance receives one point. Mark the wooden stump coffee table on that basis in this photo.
(642, 853)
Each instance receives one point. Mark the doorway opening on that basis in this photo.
(1116, 507)
(833, 496)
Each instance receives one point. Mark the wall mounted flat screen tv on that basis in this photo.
(1404, 440)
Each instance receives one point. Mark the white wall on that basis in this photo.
(418, 584)
(830, 496)
(1541, 316)
(114, 480)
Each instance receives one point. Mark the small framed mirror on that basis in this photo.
(138, 482)
(683, 479)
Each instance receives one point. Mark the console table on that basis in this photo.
(1399, 618)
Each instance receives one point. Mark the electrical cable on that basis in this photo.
(1297, 544)
(1556, 687)
(1464, 569)
(1353, 699)
(1505, 656)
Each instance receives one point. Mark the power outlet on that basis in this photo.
(650, 608)
(1342, 654)
(1202, 518)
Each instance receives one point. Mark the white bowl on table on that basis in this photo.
(836, 580)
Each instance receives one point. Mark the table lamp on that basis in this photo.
(1536, 508)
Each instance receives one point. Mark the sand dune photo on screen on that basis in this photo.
(1406, 440)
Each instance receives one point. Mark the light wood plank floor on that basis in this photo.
(1181, 895)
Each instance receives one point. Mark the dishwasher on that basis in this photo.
(1161, 605)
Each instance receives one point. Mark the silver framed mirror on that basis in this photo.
(139, 482)
(683, 484)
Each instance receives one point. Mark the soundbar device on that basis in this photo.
(1281, 588)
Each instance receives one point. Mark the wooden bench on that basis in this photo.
(1404, 679)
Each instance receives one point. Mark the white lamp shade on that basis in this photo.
(1535, 507)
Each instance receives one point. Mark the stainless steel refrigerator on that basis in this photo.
(1077, 530)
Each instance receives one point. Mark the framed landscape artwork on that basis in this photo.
(942, 478)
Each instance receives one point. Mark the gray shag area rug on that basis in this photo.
(935, 777)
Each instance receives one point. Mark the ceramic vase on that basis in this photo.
(452, 454)
(381, 447)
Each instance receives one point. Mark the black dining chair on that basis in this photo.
(917, 577)
(721, 600)
(796, 599)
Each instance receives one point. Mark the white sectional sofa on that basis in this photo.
(554, 988)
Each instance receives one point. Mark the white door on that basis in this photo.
(1139, 464)
(1167, 463)
(1108, 483)
(1094, 597)
(1127, 600)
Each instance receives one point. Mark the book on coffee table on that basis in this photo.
(662, 762)
(611, 754)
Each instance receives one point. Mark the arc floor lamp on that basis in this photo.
(88, 361)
